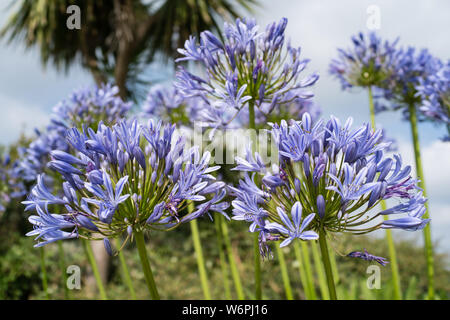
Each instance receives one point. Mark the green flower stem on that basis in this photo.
(90, 255)
(303, 276)
(327, 264)
(284, 273)
(140, 242)
(257, 263)
(44, 273)
(199, 254)
(334, 265)
(320, 271)
(308, 269)
(257, 258)
(232, 261)
(62, 266)
(125, 272)
(393, 260)
(427, 229)
(389, 239)
(223, 261)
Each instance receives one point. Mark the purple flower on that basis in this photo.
(49, 227)
(368, 257)
(246, 208)
(125, 177)
(294, 229)
(328, 173)
(247, 67)
(168, 104)
(367, 63)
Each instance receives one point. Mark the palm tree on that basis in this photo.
(117, 37)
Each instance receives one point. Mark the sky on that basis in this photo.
(28, 92)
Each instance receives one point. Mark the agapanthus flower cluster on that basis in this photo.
(168, 104)
(89, 106)
(10, 186)
(247, 67)
(434, 92)
(367, 63)
(410, 68)
(33, 158)
(123, 178)
(330, 179)
(294, 109)
(84, 107)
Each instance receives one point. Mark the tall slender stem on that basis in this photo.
(303, 275)
(125, 272)
(140, 242)
(308, 269)
(284, 273)
(44, 273)
(371, 108)
(327, 264)
(390, 241)
(320, 272)
(62, 266)
(90, 255)
(420, 176)
(257, 258)
(199, 254)
(233, 266)
(334, 265)
(393, 260)
(223, 261)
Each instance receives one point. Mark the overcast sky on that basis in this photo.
(27, 92)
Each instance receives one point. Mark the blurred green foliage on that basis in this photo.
(175, 268)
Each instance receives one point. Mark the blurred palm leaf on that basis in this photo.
(117, 37)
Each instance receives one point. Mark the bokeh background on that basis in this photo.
(28, 91)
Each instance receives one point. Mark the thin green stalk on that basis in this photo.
(44, 273)
(257, 258)
(393, 261)
(327, 264)
(125, 272)
(90, 255)
(371, 108)
(334, 265)
(420, 176)
(301, 267)
(223, 261)
(284, 273)
(140, 242)
(308, 269)
(232, 261)
(62, 266)
(320, 271)
(389, 239)
(199, 254)
(257, 263)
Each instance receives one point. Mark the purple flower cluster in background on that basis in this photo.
(90, 105)
(11, 186)
(367, 63)
(398, 77)
(409, 68)
(166, 103)
(248, 66)
(84, 107)
(434, 91)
